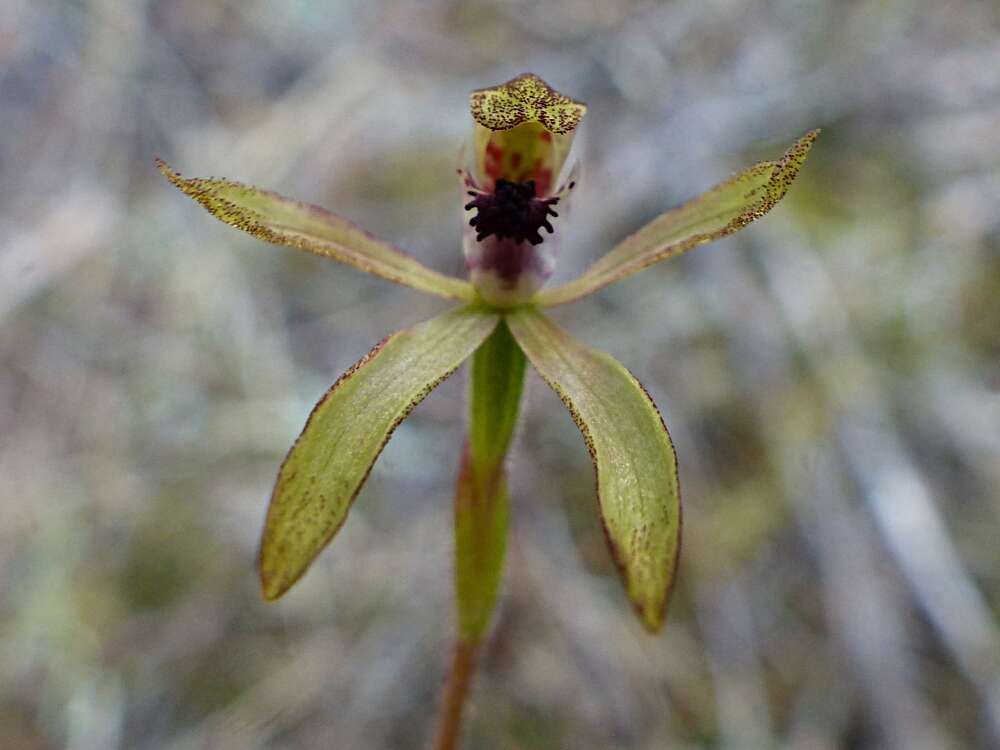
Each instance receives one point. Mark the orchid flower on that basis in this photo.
(518, 182)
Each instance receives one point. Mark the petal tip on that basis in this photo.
(652, 620)
(166, 170)
(276, 574)
(270, 591)
(786, 169)
(796, 154)
(272, 584)
(178, 180)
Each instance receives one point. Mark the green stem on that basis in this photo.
(481, 511)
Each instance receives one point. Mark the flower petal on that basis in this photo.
(273, 218)
(632, 454)
(724, 209)
(346, 432)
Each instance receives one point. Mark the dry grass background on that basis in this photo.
(830, 377)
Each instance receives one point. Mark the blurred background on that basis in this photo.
(830, 376)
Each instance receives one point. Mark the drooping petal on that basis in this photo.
(524, 130)
(724, 209)
(632, 453)
(346, 432)
(273, 218)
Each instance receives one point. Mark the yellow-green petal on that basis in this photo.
(346, 432)
(632, 453)
(282, 221)
(724, 209)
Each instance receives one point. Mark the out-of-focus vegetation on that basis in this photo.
(830, 377)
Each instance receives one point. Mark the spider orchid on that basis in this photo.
(518, 183)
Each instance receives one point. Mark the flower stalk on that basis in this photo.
(454, 695)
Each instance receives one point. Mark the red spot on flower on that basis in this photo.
(494, 160)
(543, 177)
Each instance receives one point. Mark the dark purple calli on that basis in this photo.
(512, 211)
